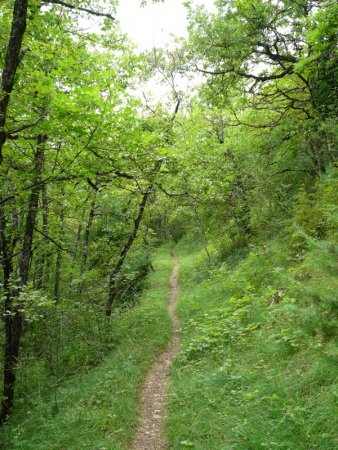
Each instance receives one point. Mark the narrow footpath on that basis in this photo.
(150, 433)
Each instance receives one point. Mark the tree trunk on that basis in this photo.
(129, 243)
(75, 251)
(86, 242)
(13, 317)
(12, 62)
(58, 263)
(44, 253)
(123, 254)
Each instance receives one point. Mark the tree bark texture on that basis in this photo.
(12, 315)
(12, 62)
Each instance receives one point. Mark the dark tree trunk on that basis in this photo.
(44, 253)
(13, 330)
(86, 242)
(58, 264)
(75, 251)
(7, 268)
(12, 316)
(26, 253)
(129, 243)
(12, 62)
(6, 255)
(123, 254)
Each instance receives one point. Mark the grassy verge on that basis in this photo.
(99, 409)
(252, 372)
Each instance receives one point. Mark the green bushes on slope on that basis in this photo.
(257, 368)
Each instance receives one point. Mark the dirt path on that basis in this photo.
(150, 434)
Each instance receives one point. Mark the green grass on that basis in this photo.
(249, 376)
(99, 408)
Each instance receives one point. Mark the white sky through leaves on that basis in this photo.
(154, 24)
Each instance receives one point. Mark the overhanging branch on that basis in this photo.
(79, 8)
(49, 238)
(247, 75)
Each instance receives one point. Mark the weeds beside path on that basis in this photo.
(98, 406)
(250, 374)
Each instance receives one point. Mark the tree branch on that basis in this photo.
(49, 238)
(79, 8)
(247, 75)
(23, 127)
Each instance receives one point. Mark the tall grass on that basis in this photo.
(254, 372)
(98, 408)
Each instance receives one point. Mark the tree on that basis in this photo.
(25, 128)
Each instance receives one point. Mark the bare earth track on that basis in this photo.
(150, 433)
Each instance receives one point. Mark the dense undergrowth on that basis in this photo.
(95, 406)
(257, 368)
